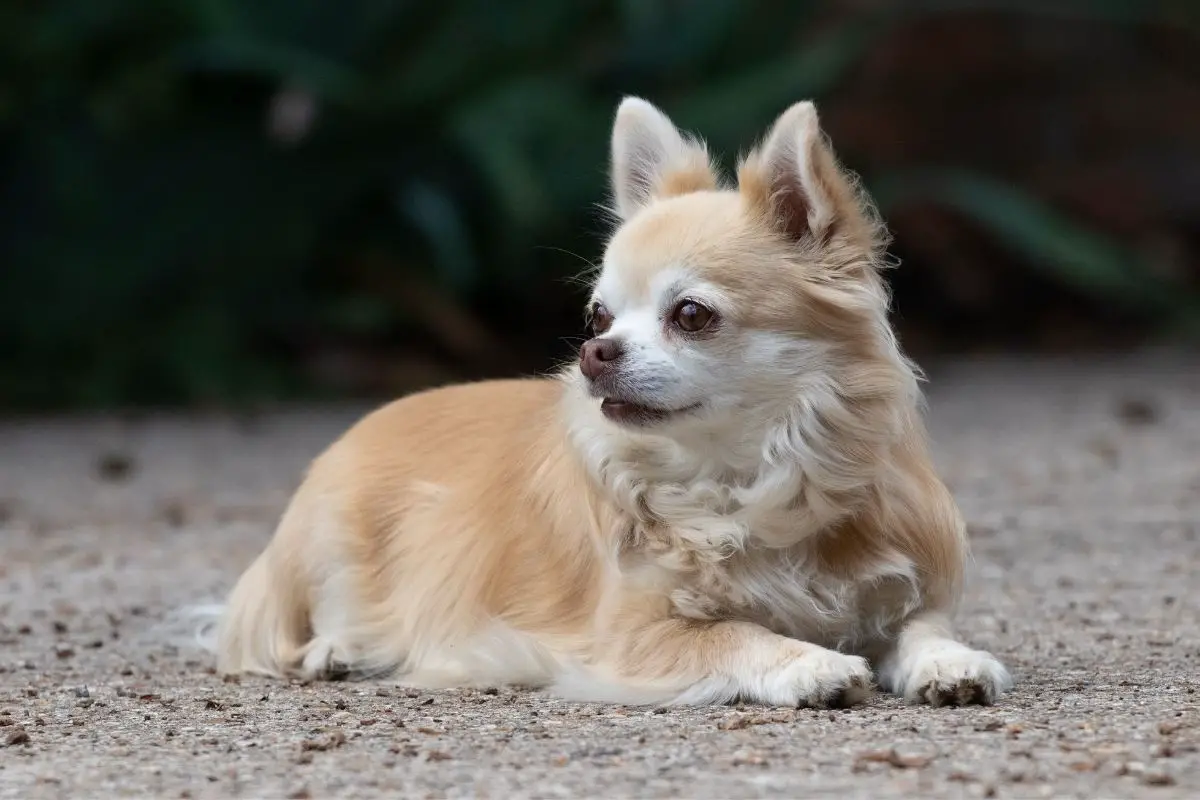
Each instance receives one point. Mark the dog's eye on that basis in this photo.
(691, 316)
(599, 320)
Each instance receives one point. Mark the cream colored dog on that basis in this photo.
(728, 496)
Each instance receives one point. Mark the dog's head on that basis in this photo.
(719, 308)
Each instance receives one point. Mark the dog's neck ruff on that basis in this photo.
(791, 478)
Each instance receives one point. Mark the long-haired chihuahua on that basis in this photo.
(729, 494)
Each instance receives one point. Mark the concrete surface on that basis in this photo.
(1081, 481)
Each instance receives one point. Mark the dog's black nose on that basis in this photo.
(597, 355)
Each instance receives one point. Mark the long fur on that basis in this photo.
(764, 545)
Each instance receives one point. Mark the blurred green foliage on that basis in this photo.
(197, 193)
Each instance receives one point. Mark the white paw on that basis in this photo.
(819, 678)
(324, 660)
(949, 673)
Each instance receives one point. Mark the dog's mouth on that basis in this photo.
(628, 412)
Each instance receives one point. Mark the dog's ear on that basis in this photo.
(794, 179)
(652, 159)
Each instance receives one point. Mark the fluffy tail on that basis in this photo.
(264, 625)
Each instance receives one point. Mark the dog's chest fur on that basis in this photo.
(724, 546)
(784, 589)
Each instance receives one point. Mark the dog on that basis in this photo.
(728, 496)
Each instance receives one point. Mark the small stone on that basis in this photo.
(82, 691)
(736, 722)
(910, 760)
(331, 742)
(1163, 750)
(1137, 411)
(749, 758)
(19, 736)
(901, 760)
(114, 466)
(174, 512)
(1106, 450)
(1157, 777)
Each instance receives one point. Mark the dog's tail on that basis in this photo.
(263, 627)
(206, 619)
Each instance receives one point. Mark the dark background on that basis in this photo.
(214, 202)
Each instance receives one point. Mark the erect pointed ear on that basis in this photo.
(652, 159)
(793, 178)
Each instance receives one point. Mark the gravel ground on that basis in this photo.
(1080, 481)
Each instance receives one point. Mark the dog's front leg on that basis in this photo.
(926, 664)
(704, 662)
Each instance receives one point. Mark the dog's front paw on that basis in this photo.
(951, 674)
(818, 678)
